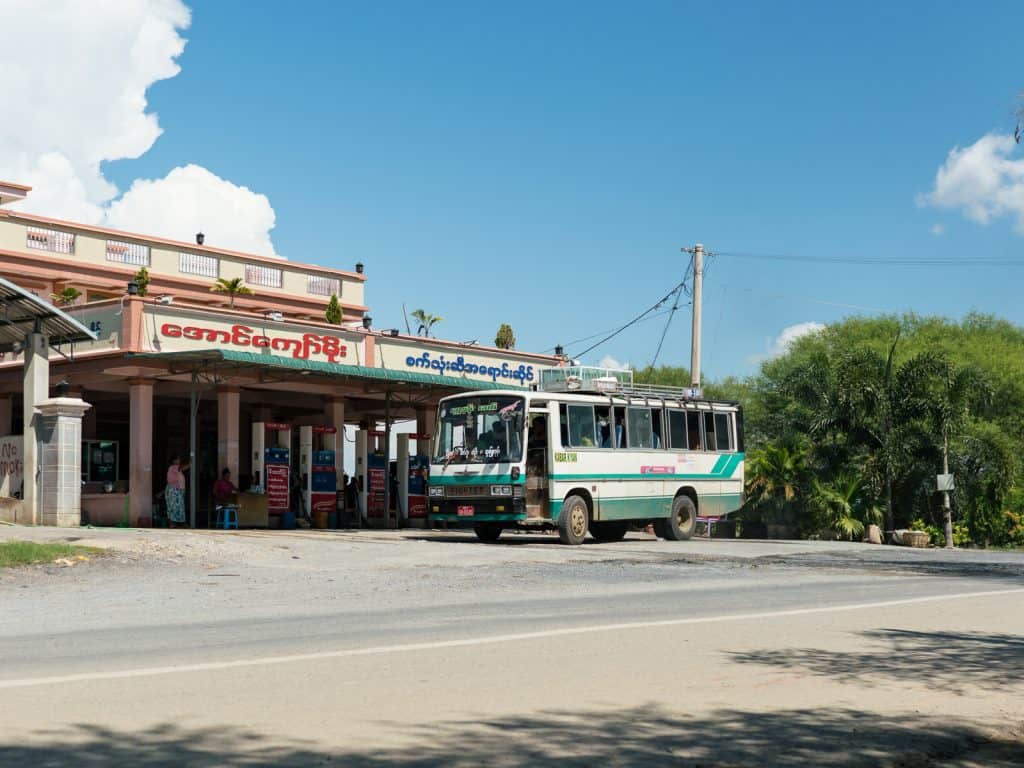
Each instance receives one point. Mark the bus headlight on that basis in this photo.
(501, 490)
(436, 491)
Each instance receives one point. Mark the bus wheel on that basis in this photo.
(682, 523)
(611, 531)
(572, 520)
(488, 532)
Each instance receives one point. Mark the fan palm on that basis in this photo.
(66, 297)
(233, 287)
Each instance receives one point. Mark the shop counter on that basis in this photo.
(252, 510)
(106, 508)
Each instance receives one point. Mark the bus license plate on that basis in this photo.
(465, 511)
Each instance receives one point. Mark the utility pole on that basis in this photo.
(698, 285)
(946, 509)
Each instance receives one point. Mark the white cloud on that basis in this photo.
(938, 230)
(610, 362)
(982, 180)
(786, 338)
(230, 216)
(73, 90)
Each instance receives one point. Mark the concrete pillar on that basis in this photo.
(37, 389)
(140, 459)
(6, 414)
(425, 418)
(228, 418)
(59, 431)
(334, 410)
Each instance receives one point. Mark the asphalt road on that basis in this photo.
(422, 649)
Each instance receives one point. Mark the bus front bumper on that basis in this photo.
(484, 510)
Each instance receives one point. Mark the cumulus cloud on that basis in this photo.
(786, 338)
(610, 362)
(983, 180)
(194, 196)
(74, 84)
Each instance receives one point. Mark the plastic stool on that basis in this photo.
(227, 517)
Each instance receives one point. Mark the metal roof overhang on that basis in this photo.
(22, 313)
(229, 359)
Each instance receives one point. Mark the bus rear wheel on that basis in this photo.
(489, 532)
(573, 520)
(609, 531)
(681, 524)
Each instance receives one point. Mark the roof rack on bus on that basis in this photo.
(609, 381)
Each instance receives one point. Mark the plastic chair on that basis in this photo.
(227, 517)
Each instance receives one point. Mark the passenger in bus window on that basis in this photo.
(538, 433)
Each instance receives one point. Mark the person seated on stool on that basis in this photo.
(224, 490)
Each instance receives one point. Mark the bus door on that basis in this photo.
(538, 451)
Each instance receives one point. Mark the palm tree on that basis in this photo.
(66, 297)
(775, 475)
(845, 506)
(233, 287)
(877, 404)
(426, 321)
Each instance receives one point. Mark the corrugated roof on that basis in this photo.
(240, 359)
(22, 312)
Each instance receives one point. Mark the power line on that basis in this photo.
(655, 316)
(632, 322)
(664, 331)
(879, 261)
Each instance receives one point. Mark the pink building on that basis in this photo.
(266, 357)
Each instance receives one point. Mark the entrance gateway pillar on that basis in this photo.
(59, 432)
(37, 388)
(140, 458)
(6, 414)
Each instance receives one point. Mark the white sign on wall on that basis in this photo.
(12, 467)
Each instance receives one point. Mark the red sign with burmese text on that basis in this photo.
(277, 488)
(301, 347)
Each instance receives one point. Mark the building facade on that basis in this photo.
(184, 366)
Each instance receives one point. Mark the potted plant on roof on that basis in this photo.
(233, 287)
(66, 297)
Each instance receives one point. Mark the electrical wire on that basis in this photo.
(880, 261)
(655, 316)
(664, 331)
(634, 321)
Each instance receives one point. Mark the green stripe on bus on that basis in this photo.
(480, 479)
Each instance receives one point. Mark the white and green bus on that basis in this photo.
(588, 452)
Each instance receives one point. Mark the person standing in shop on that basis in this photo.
(174, 493)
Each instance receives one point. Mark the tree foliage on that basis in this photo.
(505, 338)
(67, 296)
(142, 280)
(852, 421)
(333, 312)
(233, 287)
(426, 321)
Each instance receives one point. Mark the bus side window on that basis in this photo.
(618, 432)
(602, 423)
(581, 426)
(693, 430)
(656, 426)
(723, 431)
(640, 433)
(563, 424)
(677, 430)
(709, 432)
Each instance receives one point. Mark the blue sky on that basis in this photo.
(541, 164)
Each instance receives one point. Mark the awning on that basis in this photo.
(234, 359)
(22, 313)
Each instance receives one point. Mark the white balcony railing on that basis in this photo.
(128, 253)
(41, 239)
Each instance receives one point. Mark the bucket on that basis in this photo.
(320, 519)
(288, 520)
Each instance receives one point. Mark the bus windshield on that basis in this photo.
(478, 428)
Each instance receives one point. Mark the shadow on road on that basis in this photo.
(949, 661)
(646, 736)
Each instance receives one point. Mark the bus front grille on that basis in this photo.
(465, 491)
